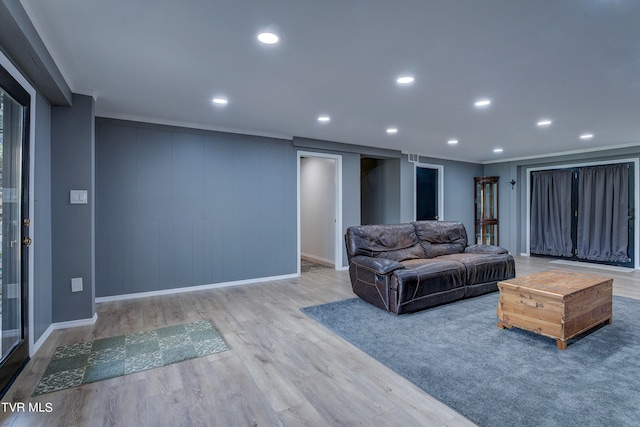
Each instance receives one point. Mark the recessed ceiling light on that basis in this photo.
(392, 130)
(483, 103)
(220, 101)
(498, 150)
(268, 38)
(586, 136)
(452, 141)
(544, 122)
(324, 119)
(405, 80)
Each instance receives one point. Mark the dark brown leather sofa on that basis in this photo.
(404, 268)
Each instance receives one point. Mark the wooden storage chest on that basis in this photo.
(557, 304)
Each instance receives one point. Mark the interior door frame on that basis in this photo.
(338, 242)
(636, 192)
(440, 169)
(29, 161)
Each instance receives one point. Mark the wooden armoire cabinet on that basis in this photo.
(486, 207)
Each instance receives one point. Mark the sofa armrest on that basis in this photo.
(485, 249)
(377, 265)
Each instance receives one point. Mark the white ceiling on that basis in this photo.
(576, 62)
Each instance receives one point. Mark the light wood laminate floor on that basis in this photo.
(283, 369)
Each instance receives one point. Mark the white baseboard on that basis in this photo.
(524, 254)
(76, 323)
(92, 321)
(61, 325)
(191, 288)
(41, 340)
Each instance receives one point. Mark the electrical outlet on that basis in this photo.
(78, 197)
(12, 290)
(76, 284)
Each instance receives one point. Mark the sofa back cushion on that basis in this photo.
(441, 237)
(397, 242)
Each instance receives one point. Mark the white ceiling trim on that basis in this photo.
(176, 123)
(563, 153)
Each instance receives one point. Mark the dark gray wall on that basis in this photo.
(42, 270)
(72, 168)
(380, 180)
(350, 195)
(507, 204)
(177, 207)
(407, 190)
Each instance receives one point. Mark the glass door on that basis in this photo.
(584, 213)
(14, 237)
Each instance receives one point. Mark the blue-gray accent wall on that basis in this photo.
(72, 168)
(179, 207)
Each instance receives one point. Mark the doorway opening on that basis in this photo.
(319, 211)
(379, 190)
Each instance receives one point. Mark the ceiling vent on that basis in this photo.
(415, 158)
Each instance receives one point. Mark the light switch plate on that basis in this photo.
(76, 284)
(78, 197)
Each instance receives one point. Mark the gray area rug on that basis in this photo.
(506, 377)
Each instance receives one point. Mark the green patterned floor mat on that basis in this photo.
(87, 362)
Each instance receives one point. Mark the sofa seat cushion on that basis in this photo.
(483, 268)
(425, 277)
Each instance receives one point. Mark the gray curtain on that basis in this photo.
(603, 209)
(551, 213)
